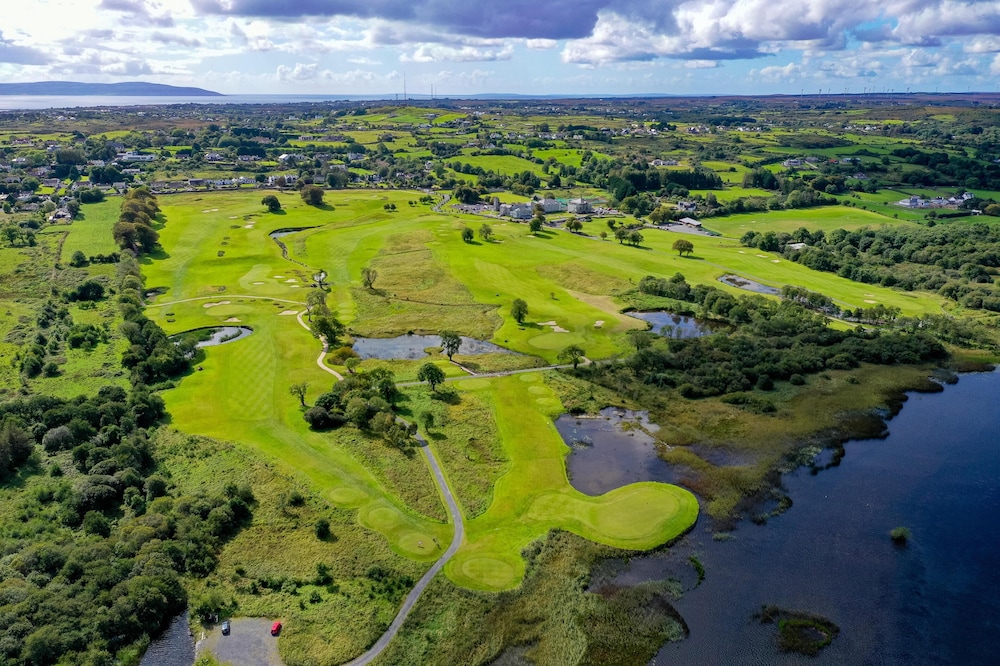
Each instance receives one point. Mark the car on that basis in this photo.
(275, 628)
(225, 627)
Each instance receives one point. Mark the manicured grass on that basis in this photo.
(826, 218)
(534, 495)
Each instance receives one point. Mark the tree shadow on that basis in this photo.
(694, 257)
(472, 242)
(280, 211)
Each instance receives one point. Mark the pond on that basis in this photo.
(672, 325)
(411, 347)
(611, 450)
(279, 233)
(748, 285)
(216, 335)
(174, 648)
(934, 601)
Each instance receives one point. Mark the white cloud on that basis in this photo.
(441, 53)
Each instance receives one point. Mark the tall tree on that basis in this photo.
(683, 246)
(327, 327)
(485, 232)
(272, 203)
(450, 342)
(312, 195)
(431, 374)
(572, 354)
(519, 310)
(316, 302)
(299, 391)
(368, 277)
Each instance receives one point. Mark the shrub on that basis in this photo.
(322, 529)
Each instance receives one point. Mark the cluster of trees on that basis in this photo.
(134, 229)
(941, 168)
(960, 261)
(367, 401)
(151, 356)
(54, 326)
(769, 341)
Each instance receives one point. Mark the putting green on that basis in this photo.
(534, 495)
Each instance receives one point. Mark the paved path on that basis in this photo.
(418, 589)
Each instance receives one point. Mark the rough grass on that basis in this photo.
(280, 543)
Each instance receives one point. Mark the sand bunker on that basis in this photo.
(231, 320)
(868, 301)
(258, 283)
(556, 328)
(776, 261)
(762, 256)
(212, 305)
(248, 226)
(547, 323)
(288, 313)
(598, 323)
(278, 277)
(291, 280)
(211, 210)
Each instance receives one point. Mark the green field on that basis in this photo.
(240, 392)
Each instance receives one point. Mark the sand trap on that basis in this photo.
(288, 313)
(559, 329)
(868, 301)
(234, 217)
(547, 323)
(295, 286)
(598, 323)
(291, 280)
(231, 320)
(258, 283)
(212, 305)
(776, 261)
(762, 256)
(278, 277)
(741, 251)
(248, 226)
(211, 210)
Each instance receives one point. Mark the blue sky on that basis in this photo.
(509, 46)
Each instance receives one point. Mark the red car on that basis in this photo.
(275, 628)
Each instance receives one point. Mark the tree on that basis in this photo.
(572, 354)
(640, 339)
(485, 232)
(272, 203)
(316, 301)
(312, 195)
(328, 328)
(535, 225)
(635, 238)
(368, 277)
(78, 260)
(519, 310)
(431, 374)
(621, 234)
(299, 391)
(683, 246)
(450, 342)
(467, 234)
(574, 225)
(322, 529)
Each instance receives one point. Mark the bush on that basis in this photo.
(322, 529)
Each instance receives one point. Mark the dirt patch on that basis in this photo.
(249, 643)
(212, 305)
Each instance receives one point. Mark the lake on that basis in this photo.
(673, 325)
(935, 601)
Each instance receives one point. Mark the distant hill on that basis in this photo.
(130, 89)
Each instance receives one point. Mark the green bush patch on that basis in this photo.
(798, 631)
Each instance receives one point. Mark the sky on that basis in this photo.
(540, 47)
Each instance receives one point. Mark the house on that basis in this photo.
(551, 205)
(132, 156)
(796, 246)
(580, 206)
(687, 206)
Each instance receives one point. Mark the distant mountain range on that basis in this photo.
(130, 89)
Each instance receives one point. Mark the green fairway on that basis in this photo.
(534, 495)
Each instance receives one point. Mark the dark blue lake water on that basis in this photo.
(936, 601)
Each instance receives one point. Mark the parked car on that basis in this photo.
(275, 628)
(225, 627)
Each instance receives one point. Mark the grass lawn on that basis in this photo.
(534, 494)
(826, 218)
(91, 232)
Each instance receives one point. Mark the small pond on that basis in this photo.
(174, 648)
(612, 450)
(749, 285)
(672, 325)
(279, 233)
(217, 335)
(411, 347)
